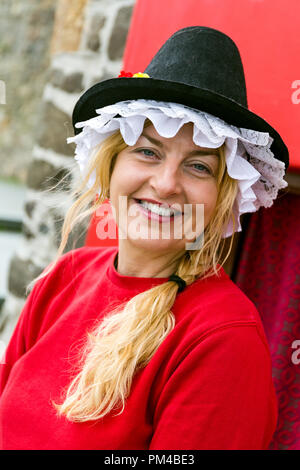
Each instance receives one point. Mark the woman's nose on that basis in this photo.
(166, 180)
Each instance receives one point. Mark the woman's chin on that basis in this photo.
(157, 245)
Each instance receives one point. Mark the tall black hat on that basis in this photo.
(197, 66)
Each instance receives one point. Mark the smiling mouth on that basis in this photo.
(157, 209)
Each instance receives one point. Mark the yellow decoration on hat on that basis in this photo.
(140, 75)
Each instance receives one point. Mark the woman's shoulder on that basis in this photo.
(61, 283)
(69, 270)
(76, 261)
(215, 302)
(85, 255)
(213, 309)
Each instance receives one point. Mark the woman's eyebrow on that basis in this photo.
(204, 151)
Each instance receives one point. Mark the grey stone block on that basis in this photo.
(55, 127)
(43, 175)
(27, 232)
(29, 207)
(72, 83)
(93, 38)
(93, 42)
(21, 272)
(119, 33)
(77, 235)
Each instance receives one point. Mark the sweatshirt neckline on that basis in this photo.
(134, 283)
(131, 282)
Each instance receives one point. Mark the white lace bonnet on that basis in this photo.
(247, 152)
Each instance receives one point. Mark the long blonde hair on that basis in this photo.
(126, 339)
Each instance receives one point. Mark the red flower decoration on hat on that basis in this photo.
(125, 74)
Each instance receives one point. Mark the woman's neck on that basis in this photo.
(146, 264)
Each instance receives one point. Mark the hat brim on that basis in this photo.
(120, 89)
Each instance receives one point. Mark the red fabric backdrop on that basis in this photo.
(268, 271)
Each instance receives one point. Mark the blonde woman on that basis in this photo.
(150, 345)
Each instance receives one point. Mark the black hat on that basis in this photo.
(197, 66)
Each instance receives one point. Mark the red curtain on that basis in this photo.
(268, 271)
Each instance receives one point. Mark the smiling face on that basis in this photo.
(169, 171)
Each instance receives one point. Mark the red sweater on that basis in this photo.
(208, 386)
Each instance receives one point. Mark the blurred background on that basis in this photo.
(51, 51)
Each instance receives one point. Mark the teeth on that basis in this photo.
(157, 209)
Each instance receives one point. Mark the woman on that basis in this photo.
(150, 345)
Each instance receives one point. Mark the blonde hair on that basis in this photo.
(126, 339)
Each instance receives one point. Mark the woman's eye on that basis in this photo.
(201, 167)
(147, 152)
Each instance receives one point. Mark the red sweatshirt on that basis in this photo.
(208, 386)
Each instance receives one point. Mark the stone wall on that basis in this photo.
(25, 34)
(101, 47)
